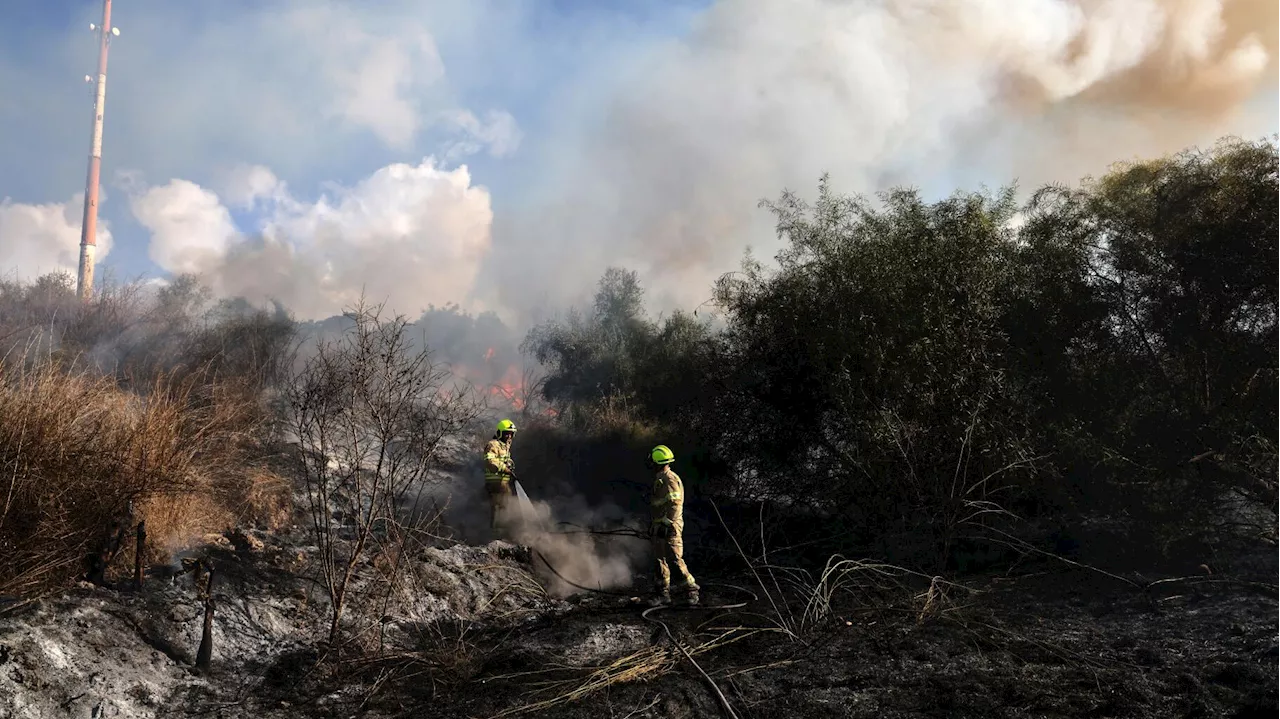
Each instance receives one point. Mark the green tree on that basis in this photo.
(1156, 287)
(868, 376)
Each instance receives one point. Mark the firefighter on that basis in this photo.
(499, 471)
(668, 525)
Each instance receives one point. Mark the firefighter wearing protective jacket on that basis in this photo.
(499, 471)
(667, 528)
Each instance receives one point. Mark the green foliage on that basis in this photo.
(923, 369)
(1152, 326)
(615, 363)
(868, 362)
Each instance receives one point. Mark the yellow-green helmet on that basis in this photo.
(506, 425)
(662, 454)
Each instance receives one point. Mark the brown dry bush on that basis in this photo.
(369, 410)
(137, 333)
(77, 452)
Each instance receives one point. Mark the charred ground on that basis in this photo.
(1047, 641)
(1043, 436)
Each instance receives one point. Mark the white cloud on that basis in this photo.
(38, 239)
(297, 89)
(192, 228)
(412, 235)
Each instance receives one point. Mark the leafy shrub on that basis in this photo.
(918, 373)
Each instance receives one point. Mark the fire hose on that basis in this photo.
(637, 534)
(646, 614)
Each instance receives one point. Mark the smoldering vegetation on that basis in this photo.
(567, 556)
(196, 415)
(138, 406)
(974, 457)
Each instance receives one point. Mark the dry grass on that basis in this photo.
(644, 665)
(143, 396)
(799, 602)
(175, 521)
(266, 499)
(76, 451)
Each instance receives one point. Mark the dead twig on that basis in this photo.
(640, 710)
(724, 702)
(647, 663)
(1196, 581)
(748, 670)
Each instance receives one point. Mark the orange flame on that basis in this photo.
(510, 387)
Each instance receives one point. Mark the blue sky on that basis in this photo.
(490, 58)
(304, 149)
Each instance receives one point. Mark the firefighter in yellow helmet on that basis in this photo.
(667, 528)
(499, 471)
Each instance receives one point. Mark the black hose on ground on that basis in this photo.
(572, 583)
(623, 531)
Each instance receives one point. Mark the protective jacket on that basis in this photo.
(498, 470)
(498, 466)
(668, 499)
(668, 544)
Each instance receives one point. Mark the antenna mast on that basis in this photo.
(89, 226)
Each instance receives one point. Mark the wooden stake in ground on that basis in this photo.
(107, 550)
(206, 637)
(197, 573)
(137, 555)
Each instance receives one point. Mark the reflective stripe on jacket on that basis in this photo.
(497, 461)
(668, 498)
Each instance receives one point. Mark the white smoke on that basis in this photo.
(412, 235)
(375, 89)
(769, 94)
(244, 185)
(498, 132)
(39, 239)
(657, 161)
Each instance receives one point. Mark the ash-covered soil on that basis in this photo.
(1057, 645)
(473, 636)
(101, 652)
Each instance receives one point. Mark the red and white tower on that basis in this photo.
(89, 226)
